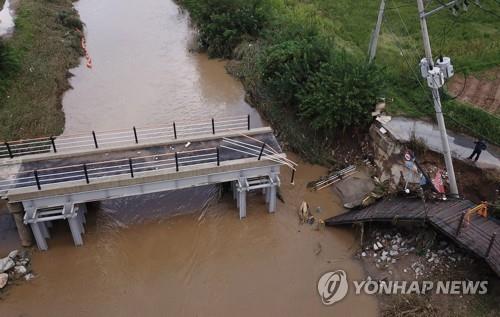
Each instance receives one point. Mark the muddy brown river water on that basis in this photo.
(182, 253)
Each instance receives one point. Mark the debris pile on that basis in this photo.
(15, 266)
(305, 216)
(414, 255)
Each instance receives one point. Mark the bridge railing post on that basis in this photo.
(37, 180)
(95, 140)
(86, 173)
(492, 241)
(131, 167)
(218, 156)
(261, 151)
(7, 145)
(53, 141)
(248, 122)
(135, 136)
(213, 126)
(175, 131)
(461, 223)
(176, 162)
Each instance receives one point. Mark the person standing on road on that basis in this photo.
(480, 146)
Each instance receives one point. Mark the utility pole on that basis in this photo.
(437, 102)
(374, 41)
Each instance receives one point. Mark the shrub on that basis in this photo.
(9, 64)
(223, 24)
(341, 94)
(70, 20)
(286, 67)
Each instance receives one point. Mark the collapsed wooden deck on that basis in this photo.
(474, 232)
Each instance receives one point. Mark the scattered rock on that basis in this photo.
(14, 266)
(13, 254)
(6, 264)
(4, 278)
(29, 276)
(385, 250)
(20, 270)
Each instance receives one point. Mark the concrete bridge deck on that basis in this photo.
(452, 218)
(56, 186)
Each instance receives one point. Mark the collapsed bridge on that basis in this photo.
(57, 183)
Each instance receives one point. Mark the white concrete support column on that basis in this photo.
(268, 194)
(233, 189)
(83, 211)
(44, 229)
(75, 227)
(243, 203)
(81, 220)
(39, 237)
(272, 198)
(237, 198)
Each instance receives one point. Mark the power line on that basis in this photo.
(417, 77)
(487, 10)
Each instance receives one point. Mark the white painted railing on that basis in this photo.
(118, 138)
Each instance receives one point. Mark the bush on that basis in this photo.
(341, 94)
(70, 20)
(223, 24)
(9, 64)
(286, 67)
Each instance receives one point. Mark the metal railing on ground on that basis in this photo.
(116, 138)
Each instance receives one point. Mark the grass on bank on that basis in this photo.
(44, 46)
(471, 39)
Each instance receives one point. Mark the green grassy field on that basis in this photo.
(44, 46)
(471, 39)
(280, 27)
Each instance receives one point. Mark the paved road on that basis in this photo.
(461, 145)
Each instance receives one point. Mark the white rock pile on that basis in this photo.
(385, 250)
(15, 266)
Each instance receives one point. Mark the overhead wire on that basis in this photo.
(417, 76)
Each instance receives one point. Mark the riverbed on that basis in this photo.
(182, 253)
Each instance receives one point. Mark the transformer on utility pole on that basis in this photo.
(435, 76)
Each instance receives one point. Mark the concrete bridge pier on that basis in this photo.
(241, 197)
(76, 222)
(268, 188)
(25, 235)
(40, 235)
(76, 226)
(272, 197)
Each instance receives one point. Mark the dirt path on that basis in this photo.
(480, 90)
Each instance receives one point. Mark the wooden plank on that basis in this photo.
(475, 235)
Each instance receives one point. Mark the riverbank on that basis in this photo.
(44, 46)
(282, 49)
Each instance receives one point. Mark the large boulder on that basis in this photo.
(6, 264)
(4, 278)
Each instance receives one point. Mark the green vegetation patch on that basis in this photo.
(297, 38)
(37, 57)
